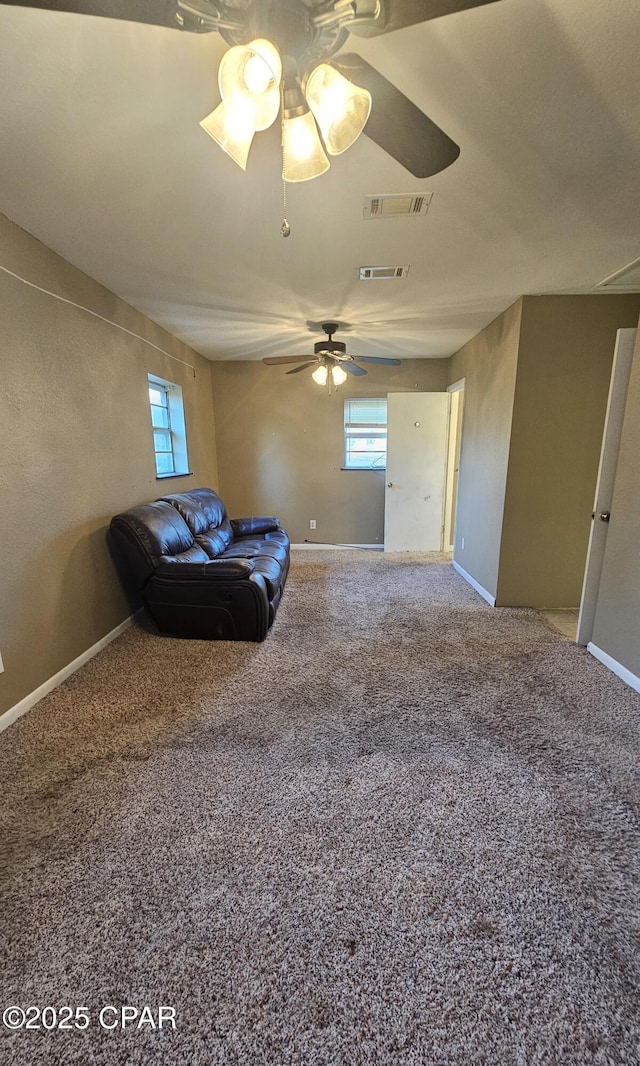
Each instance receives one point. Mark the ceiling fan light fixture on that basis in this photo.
(338, 375)
(340, 107)
(252, 73)
(232, 127)
(320, 374)
(303, 156)
(263, 67)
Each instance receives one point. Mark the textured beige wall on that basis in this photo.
(488, 365)
(617, 622)
(564, 367)
(76, 449)
(280, 447)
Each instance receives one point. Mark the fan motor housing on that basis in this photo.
(336, 348)
(286, 23)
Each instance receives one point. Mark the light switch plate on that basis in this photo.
(1, 664)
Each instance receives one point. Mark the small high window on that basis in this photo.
(169, 432)
(365, 434)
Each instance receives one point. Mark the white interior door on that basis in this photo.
(456, 393)
(417, 424)
(622, 359)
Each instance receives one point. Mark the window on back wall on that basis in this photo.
(169, 432)
(365, 434)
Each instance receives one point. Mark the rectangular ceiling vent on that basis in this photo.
(383, 273)
(392, 205)
(627, 279)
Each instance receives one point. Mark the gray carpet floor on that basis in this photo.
(403, 830)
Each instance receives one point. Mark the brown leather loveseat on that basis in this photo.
(200, 574)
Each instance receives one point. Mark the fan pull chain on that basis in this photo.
(285, 229)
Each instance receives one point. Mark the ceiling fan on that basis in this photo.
(330, 360)
(283, 58)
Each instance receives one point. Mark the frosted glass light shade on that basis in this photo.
(320, 375)
(232, 128)
(340, 108)
(338, 375)
(252, 72)
(302, 152)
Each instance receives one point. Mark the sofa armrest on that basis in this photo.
(244, 527)
(212, 570)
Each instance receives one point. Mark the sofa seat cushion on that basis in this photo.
(249, 547)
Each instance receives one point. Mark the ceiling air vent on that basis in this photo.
(383, 273)
(627, 279)
(394, 205)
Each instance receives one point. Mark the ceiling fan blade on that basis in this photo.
(396, 124)
(276, 360)
(378, 359)
(395, 14)
(155, 12)
(352, 368)
(297, 369)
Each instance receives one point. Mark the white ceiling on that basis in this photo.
(102, 158)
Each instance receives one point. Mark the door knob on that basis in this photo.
(604, 516)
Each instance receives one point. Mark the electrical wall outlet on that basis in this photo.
(312, 523)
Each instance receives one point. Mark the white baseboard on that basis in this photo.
(27, 703)
(491, 600)
(340, 547)
(613, 665)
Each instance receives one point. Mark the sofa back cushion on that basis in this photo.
(152, 534)
(206, 516)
